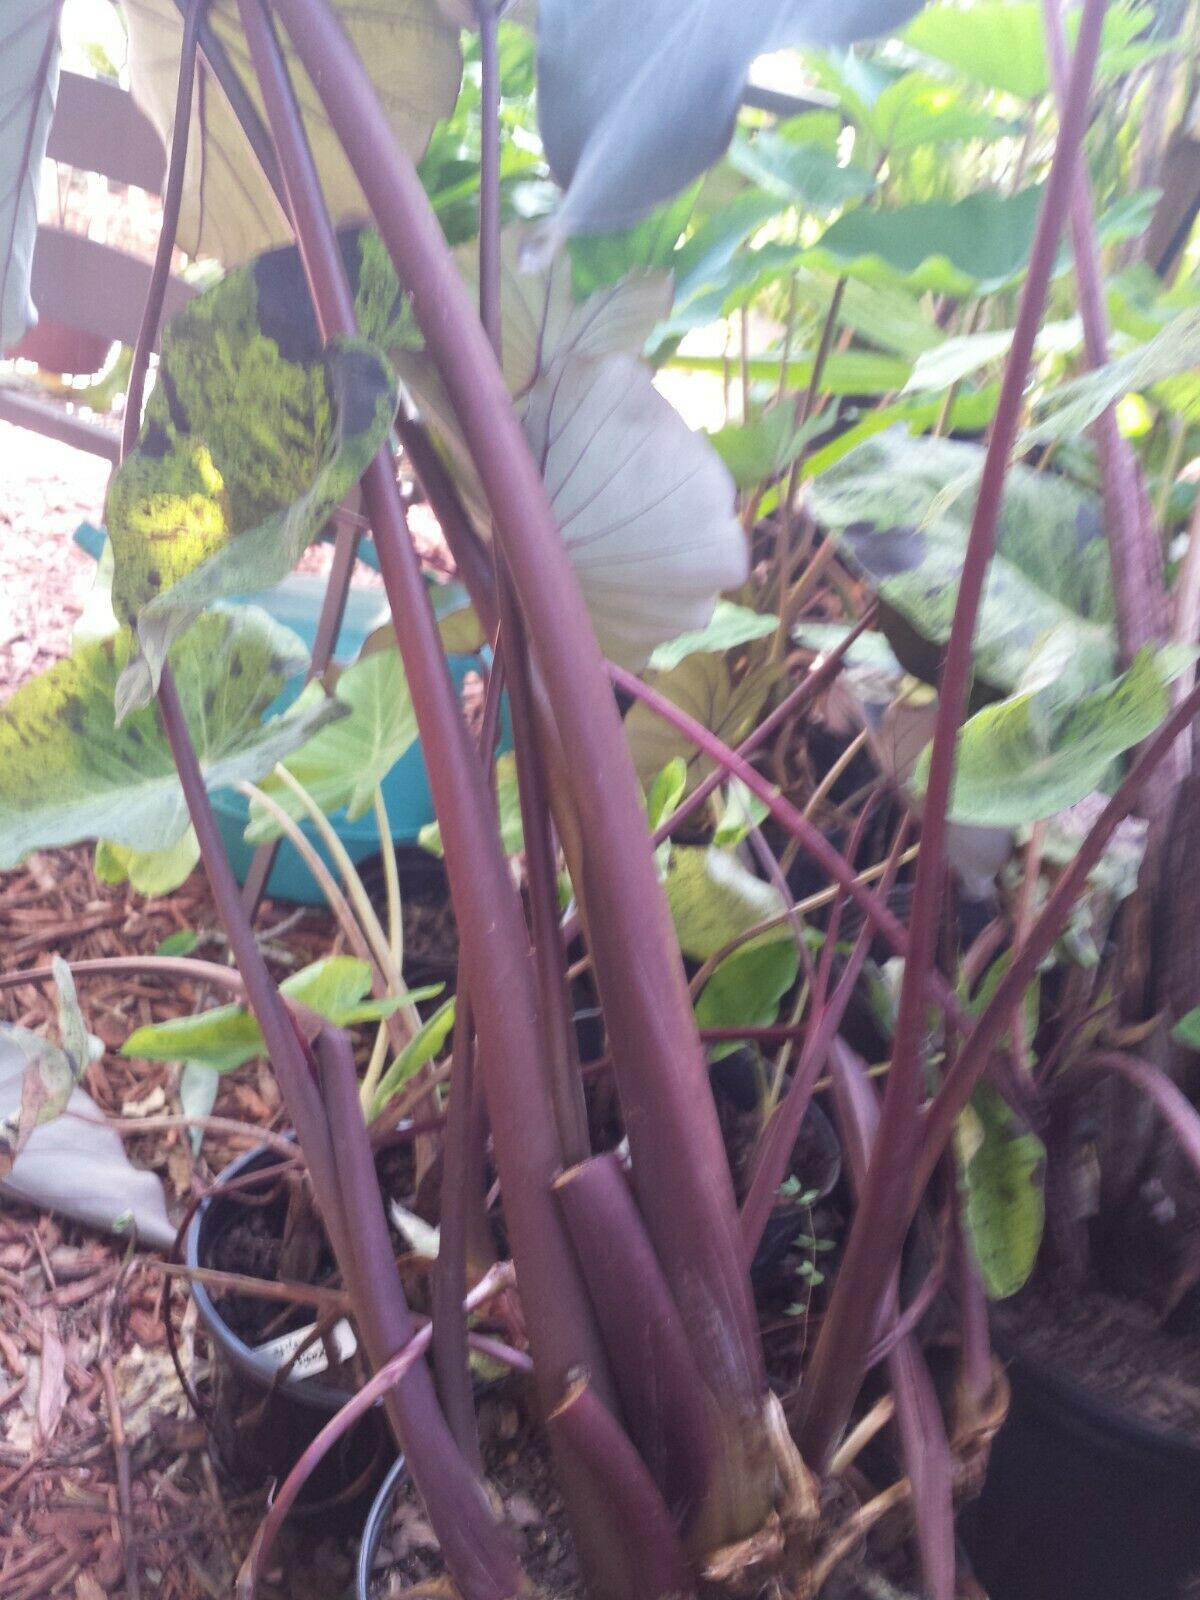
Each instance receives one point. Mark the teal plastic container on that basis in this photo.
(296, 603)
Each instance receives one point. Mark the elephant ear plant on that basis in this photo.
(678, 1469)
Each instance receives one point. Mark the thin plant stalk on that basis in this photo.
(972, 1060)
(881, 1220)
(554, 1010)
(872, 905)
(391, 880)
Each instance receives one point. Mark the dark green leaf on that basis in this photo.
(746, 988)
(971, 246)
(763, 447)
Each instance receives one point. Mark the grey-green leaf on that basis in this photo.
(637, 97)
(903, 508)
(1035, 754)
(28, 86)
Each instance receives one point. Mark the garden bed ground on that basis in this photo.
(106, 1489)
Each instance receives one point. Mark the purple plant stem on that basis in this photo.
(976, 1375)
(791, 705)
(956, 1088)
(1167, 1098)
(450, 1359)
(775, 1148)
(877, 1233)
(923, 1442)
(489, 1569)
(582, 1427)
(554, 1009)
(475, 1549)
(663, 1392)
(684, 1188)
(1139, 589)
(160, 273)
(376, 1388)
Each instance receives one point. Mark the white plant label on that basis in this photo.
(312, 1360)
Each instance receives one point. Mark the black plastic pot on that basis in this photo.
(1084, 1501)
(260, 1426)
(373, 1531)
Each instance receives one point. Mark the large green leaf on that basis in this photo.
(420, 1049)
(803, 174)
(1002, 43)
(1069, 409)
(714, 899)
(968, 353)
(228, 1036)
(66, 774)
(1034, 754)
(645, 505)
(229, 211)
(746, 988)
(150, 872)
(961, 247)
(920, 110)
(1003, 1175)
(253, 435)
(903, 508)
(887, 316)
(637, 97)
(344, 763)
(28, 85)
(731, 625)
(846, 372)
(703, 686)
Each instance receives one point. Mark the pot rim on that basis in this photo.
(249, 1361)
(373, 1527)
(1105, 1415)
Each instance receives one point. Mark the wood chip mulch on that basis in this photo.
(107, 1489)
